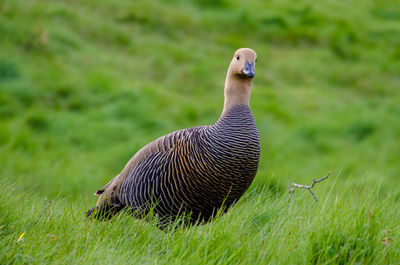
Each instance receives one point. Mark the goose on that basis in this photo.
(197, 171)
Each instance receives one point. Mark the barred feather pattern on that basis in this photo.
(198, 170)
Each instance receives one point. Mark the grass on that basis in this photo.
(347, 227)
(85, 84)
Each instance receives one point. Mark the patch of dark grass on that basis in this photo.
(274, 22)
(361, 130)
(342, 44)
(387, 13)
(37, 121)
(21, 93)
(8, 70)
(4, 135)
(211, 3)
(66, 97)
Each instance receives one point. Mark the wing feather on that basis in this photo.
(108, 193)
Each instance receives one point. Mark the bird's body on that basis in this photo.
(194, 171)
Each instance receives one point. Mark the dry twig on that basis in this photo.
(308, 187)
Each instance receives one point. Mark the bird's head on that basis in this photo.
(243, 63)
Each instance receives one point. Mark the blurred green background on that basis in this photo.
(85, 84)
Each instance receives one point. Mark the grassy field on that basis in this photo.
(85, 84)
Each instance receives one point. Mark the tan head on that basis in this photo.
(239, 77)
(243, 63)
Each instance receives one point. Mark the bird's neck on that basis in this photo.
(237, 92)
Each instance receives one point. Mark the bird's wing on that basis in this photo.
(108, 193)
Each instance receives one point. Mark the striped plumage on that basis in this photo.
(197, 170)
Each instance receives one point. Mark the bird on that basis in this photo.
(196, 172)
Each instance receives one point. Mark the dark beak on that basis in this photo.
(249, 70)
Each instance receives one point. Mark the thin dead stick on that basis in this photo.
(308, 187)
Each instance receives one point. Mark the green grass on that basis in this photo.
(85, 84)
(348, 226)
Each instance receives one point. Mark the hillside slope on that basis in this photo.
(85, 84)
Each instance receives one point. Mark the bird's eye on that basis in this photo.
(238, 57)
